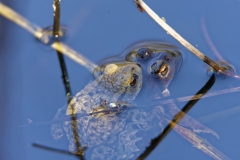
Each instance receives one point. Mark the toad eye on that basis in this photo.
(163, 69)
(159, 68)
(143, 53)
(133, 80)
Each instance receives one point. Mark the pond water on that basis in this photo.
(32, 88)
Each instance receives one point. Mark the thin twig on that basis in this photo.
(52, 149)
(37, 32)
(19, 20)
(56, 30)
(176, 119)
(200, 143)
(140, 4)
(75, 56)
(56, 23)
(59, 47)
(221, 115)
(153, 104)
(198, 96)
(209, 41)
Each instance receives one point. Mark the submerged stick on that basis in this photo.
(209, 41)
(56, 34)
(19, 20)
(37, 32)
(144, 7)
(198, 96)
(176, 119)
(200, 143)
(74, 55)
(60, 48)
(52, 149)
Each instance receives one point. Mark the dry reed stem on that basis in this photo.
(144, 7)
(37, 32)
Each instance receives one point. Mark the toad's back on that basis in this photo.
(115, 83)
(109, 135)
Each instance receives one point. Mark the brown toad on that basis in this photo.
(104, 129)
(107, 126)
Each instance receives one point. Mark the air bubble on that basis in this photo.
(48, 37)
(143, 53)
(112, 105)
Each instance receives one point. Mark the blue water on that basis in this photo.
(31, 86)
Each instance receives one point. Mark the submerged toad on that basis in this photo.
(106, 133)
(109, 125)
(159, 62)
(117, 82)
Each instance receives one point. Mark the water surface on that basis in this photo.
(32, 88)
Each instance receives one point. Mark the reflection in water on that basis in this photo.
(162, 22)
(110, 90)
(220, 115)
(197, 141)
(38, 33)
(159, 62)
(56, 32)
(158, 68)
(116, 131)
